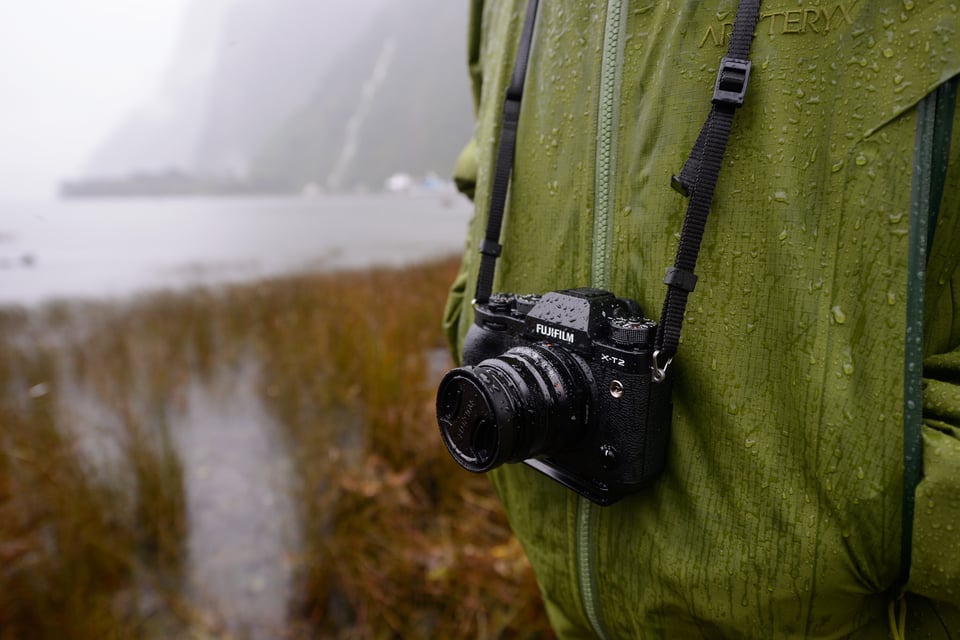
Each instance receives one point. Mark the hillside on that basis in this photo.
(279, 95)
(398, 101)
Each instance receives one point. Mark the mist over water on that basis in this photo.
(114, 248)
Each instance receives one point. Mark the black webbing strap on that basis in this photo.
(931, 150)
(698, 178)
(490, 246)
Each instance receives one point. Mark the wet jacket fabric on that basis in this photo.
(779, 513)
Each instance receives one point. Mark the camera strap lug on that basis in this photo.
(658, 374)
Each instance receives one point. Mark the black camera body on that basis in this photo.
(565, 383)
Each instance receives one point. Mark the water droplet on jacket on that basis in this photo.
(861, 160)
(837, 166)
(838, 315)
(780, 196)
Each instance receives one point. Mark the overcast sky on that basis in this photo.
(69, 71)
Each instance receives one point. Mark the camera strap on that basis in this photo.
(698, 178)
(490, 246)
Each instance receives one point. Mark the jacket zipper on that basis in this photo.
(585, 566)
(607, 127)
(608, 122)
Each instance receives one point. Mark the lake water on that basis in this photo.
(109, 248)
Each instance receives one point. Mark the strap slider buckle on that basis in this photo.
(490, 248)
(681, 279)
(678, 185)
(732, 79)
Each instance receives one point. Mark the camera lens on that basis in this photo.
(527, 402)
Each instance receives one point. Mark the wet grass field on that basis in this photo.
(253, 461)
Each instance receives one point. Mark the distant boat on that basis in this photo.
(399, 183)
(405, 183)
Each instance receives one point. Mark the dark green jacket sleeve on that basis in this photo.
(935, 566)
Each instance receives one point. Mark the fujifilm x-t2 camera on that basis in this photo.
(564, 383)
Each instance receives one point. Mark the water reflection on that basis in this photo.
(243, 534)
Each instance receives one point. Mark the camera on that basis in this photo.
(565, 382)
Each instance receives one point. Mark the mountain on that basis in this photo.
(397, 101)
(162, 133)
(280, 95)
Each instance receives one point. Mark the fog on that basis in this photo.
(69, 71)
(112, 87)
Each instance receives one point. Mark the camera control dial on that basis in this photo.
(632, 331)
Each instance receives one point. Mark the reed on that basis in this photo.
(397, 541)
(65, 548)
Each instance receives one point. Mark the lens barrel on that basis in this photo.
(526, 402)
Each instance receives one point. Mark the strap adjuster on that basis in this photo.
(732, 79)
(681, 279)
(490, 248)
(678, 185)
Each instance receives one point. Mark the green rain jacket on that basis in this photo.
(779, 513)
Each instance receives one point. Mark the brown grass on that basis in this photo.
(398, 540)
